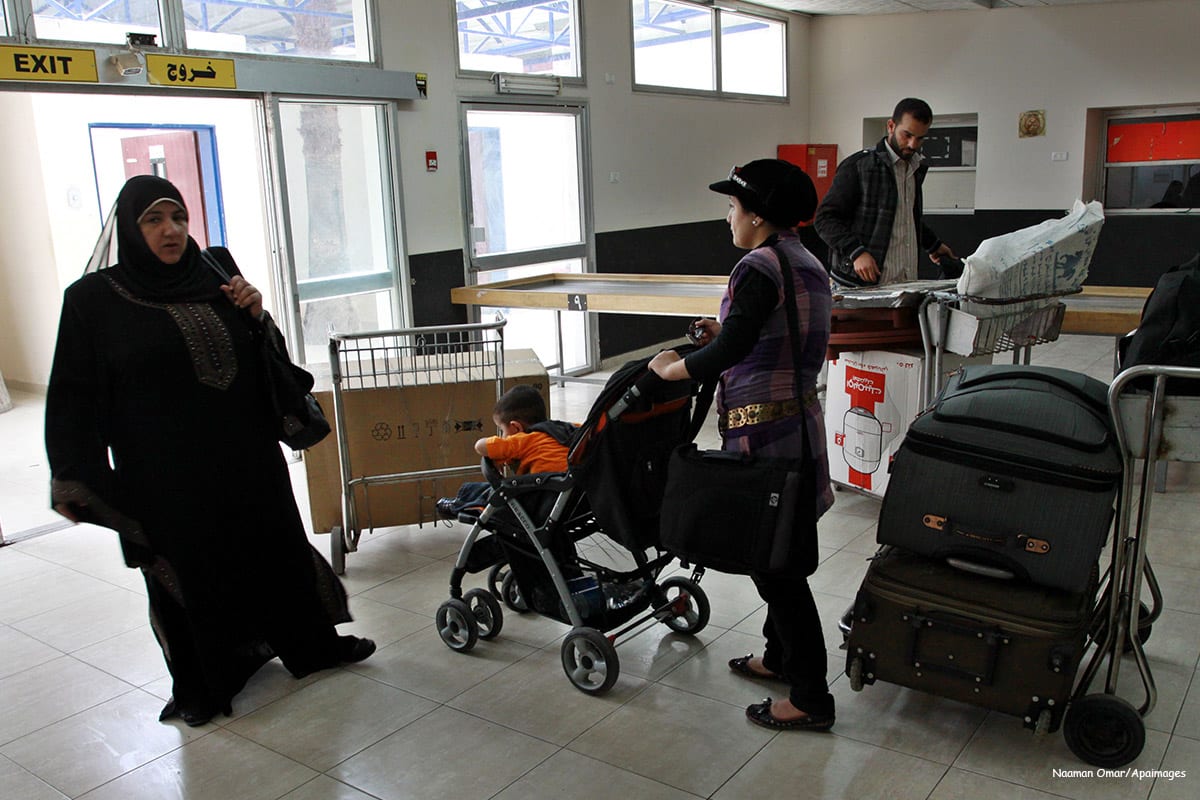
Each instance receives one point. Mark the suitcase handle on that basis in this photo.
(991, 637)
(947, 525)
(981, 569)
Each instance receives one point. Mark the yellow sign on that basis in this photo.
(22, 63)
(189, 71)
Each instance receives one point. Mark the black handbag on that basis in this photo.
(733, 512)
(741, 513)
(300, 421)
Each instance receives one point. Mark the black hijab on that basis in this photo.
(138, 269)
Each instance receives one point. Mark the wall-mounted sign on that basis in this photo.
(23, 63)
(1031, 123)
(190, 71)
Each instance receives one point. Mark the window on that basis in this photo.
(528, 37)
(95, 20)
(332, 29)
(1152, 161)
(684, 46)
(329, 29)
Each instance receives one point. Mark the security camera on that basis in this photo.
(128, 64)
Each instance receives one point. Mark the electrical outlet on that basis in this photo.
(1058, 156)
(614, 177)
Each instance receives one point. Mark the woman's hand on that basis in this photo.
(669, 366)
(705, 330)
(243, 295)
(67, 511)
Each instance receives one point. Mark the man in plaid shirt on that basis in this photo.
(871, 217)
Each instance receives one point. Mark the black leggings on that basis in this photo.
(795, 642)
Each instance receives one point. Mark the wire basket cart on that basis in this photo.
(395, 361)
(968, 325)
(1154, 427)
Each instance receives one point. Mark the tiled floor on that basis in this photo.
(81, 682)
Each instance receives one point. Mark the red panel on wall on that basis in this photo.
(1154, 141)
(818, 160)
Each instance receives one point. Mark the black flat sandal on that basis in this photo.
(742, 667)
(760, 714)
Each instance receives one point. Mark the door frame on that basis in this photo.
(277, 181)
(585, 250)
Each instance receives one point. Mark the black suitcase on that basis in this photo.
(1011, 647)
(1015, 468)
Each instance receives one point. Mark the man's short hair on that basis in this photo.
(522, 403)
(915, 108)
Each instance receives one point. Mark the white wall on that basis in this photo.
(29, 291)
(999, 63)
(666, 148)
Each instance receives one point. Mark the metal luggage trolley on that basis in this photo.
(1102, 728)
(400, 359)
(1016, 325)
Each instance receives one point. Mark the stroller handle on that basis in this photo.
(636, 390)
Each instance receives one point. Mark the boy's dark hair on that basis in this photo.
(915, 108)
(522, 403)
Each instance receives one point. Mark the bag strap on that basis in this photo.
(211, 261)
(793, 319)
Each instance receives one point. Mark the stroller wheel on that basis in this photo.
(689, 609)
(456, 625)
(511, 594)
(486, 610)
(590, 660)
(496, 577)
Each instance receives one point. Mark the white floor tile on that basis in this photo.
(446, 754)
(100, 744)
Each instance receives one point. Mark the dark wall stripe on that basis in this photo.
(433, 276)
(1133, 250)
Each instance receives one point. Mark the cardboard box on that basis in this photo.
(405, 429)
(870, 399)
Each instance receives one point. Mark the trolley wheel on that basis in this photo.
(590, 660)
(854, 671)
(690, 608)
(511, 594)
(337, 550)
(496, 578)
(1104, 730)
(1144, 629)
(456, 625)
(489, 617)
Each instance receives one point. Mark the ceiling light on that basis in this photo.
(527, 84)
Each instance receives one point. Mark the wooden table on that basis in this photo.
(1111, 310)
(1103, 310)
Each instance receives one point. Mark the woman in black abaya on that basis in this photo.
(156, 363)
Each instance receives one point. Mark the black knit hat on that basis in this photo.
(778, 191)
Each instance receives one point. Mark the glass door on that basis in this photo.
(339, 218)
(527, 214)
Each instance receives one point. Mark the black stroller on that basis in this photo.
(549, 533)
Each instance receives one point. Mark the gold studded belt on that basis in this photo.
(758, 413)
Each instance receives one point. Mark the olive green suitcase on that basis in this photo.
(1004, 645)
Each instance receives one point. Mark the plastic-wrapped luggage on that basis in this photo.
(1015, 469)
(1000, 644)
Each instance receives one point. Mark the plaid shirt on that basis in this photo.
(857, 212)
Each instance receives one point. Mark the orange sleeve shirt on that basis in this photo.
(537, 452)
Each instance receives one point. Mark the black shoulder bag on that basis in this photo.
(736, 512)
(300, 422)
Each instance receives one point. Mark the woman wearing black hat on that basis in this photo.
(156, 426)
(750, 348)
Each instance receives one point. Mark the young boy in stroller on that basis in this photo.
(528, 441)
(610, 493)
